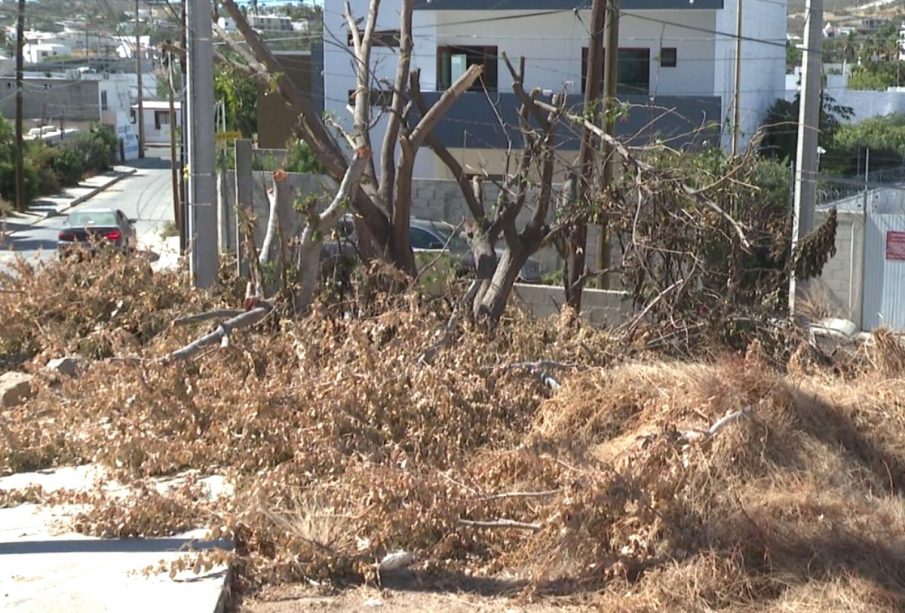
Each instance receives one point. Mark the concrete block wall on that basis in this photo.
(598, 307)
(433, 199)
(842, 280)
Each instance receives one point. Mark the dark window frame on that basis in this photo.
(157, 115)
(381, 38)
(382, 98)
(484, 55)
(669, 57)
(623, 87)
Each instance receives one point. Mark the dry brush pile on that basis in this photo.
(343, 447)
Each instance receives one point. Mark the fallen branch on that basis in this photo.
(501, 523)
(207, 316)
(540, 369)
(694, 436)
(505, 495)
(728, 419)
(221, 333)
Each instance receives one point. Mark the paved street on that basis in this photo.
(146, 196)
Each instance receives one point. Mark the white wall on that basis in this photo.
(553, 46)
(161, 135)
(763, 63)
(39, 52)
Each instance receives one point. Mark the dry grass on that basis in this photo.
(343, 448)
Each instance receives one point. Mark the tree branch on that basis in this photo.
(246, 319)
(387, 153)
(501, 523)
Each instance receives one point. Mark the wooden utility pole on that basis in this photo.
(174, 171)
(610, 87)
(808, 127)
(736, 110)
(577, 242)
(141, 106)
(20, 140)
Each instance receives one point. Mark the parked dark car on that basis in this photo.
(425, 235)
(92, 227)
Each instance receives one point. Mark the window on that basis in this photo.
(634, 71)
(132, 116)
(668, 57)
(103, 101)
(381, 38)
(379, 97)
(422, 239)
(161, 118)
(452, 62)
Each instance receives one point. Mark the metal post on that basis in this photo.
(202, 215)
(141, 107)
(808, 127)
(866, 178)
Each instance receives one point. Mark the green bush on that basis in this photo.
(300, 158)
(57, 166)
(8, 180)
(97, 148)
(883, 136)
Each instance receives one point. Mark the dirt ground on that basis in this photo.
(297, 597)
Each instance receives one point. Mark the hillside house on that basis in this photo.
(676, 66)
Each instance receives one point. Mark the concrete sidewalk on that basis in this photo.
(44, 566)
(49, 206)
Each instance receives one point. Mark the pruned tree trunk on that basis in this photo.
(280, 199)
(319, 224)
(496, 295)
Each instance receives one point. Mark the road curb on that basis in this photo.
(120, 175)
(94, 192)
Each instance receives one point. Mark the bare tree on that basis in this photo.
(488, 295)
(383, 203)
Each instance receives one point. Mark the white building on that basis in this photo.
(156, 119)
(40, 52)
(270, 23)
(677, 64)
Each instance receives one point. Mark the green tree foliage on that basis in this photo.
(8, 166)
(793, 56)
(48, 168)
(780, 127)
(300, 158)
(240, 94)
(877, 75)
(884, 136)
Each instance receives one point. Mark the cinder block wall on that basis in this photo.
(598, 307)
(842, 279)
(433, 199)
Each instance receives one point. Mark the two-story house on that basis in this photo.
(676, 66)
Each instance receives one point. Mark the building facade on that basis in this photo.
(676, 67)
